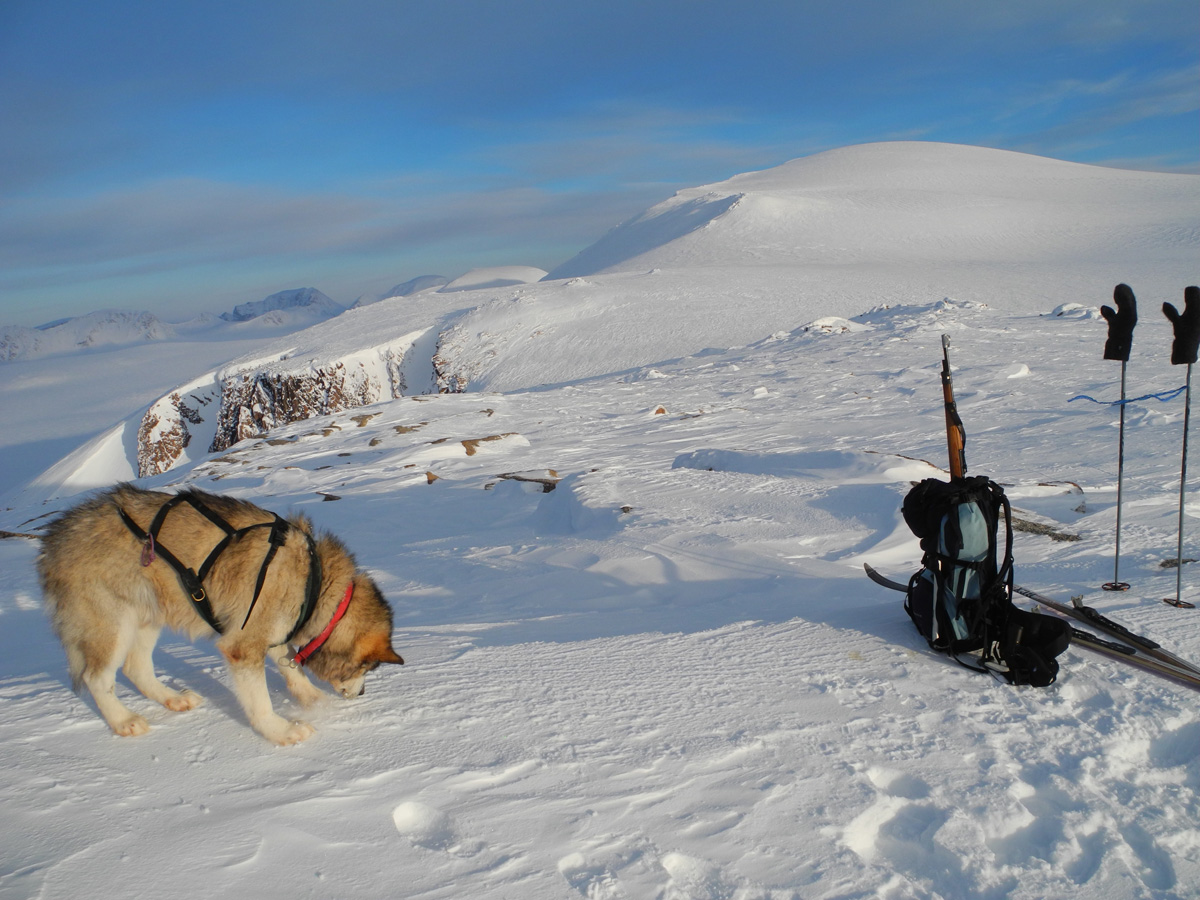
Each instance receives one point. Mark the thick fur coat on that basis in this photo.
(109, 596)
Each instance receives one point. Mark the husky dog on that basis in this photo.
(119, 567)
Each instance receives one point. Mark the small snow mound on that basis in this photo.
(832, 325)
(1075, 311)
(566, 511)
(1019, 371)
(691, 877)
(947, 303)
(648, 374)
(423, 825)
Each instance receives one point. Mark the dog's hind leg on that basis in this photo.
(103, 651)
(139, 669)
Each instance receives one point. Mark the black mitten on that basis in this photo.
(1120, 323)
(1187, 327)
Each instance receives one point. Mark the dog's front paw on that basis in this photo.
(306, 693)
(132, 725)
(287, 733)
(183, 701)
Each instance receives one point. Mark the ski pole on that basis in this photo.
(956, 435)
(1183, 351)
(1187, 411)
(1117, 584)
(1121, 322)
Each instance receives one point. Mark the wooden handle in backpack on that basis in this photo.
(956, 436)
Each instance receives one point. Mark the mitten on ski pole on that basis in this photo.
(1120, 323)
(1187, 327)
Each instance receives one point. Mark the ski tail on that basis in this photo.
(1112, 629)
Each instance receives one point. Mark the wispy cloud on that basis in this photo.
(229, 143)
(1066, 115)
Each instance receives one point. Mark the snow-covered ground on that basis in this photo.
(668, 677)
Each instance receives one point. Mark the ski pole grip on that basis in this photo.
(1121, 322)
(1187, 327)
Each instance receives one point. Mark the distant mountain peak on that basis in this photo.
(898, 201)
(107, 327)
(307, 299)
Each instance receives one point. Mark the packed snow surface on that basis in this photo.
(667, 677)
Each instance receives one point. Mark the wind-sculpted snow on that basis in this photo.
(666, 677)
(493, 277)
(626, 568)
(659, 225)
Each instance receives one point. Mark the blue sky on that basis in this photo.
(183, 156)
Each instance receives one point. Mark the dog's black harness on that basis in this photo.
(193, 581)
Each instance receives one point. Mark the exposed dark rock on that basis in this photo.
(254, 403)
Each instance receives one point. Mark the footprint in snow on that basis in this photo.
(694, 879)
(900, 827)
(1176, 747)
(594, 881)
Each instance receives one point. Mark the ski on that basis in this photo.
(883, 580)
(1131, 656)
(1179, 671)
(1113, 629)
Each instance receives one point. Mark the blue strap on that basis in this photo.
(1162, 397)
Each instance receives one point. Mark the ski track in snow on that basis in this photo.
(667, 678)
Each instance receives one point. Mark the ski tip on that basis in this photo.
(883, 580)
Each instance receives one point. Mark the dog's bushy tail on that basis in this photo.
(303, 522)
(76, 661)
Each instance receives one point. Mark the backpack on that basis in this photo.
(961, 599)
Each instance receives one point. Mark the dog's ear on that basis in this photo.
(390, 656)
(379, 649)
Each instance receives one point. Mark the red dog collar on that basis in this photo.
(303, 654)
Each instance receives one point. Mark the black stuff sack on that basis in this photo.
(961, 599)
